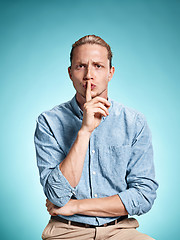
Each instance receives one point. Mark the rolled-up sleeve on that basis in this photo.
(49, 155)
(140, 194)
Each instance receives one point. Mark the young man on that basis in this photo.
(94, 155)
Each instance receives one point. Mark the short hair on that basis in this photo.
(92, 39)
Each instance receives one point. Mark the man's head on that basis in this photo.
(92, 39)
(90, 61)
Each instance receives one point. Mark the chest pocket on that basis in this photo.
(113, 160)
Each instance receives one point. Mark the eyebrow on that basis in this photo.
(98, 62)
(94, 62)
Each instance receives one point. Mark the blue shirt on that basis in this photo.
(119, 159)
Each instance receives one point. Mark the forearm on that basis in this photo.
(72, 166)
(103, 207)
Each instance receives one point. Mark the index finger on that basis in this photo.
(88, 91)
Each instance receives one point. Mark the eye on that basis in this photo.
(98, 66)
(80, 66)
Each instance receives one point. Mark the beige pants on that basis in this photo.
(124, 230)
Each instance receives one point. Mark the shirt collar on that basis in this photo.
(76, 107)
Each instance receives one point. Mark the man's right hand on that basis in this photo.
(94, 110)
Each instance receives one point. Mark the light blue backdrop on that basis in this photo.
(35, 43)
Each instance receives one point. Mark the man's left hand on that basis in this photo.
(66, 210)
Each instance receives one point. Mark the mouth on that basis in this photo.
(92, 86)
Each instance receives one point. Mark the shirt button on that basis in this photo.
(95, 195)
(93, 151)
(94, 172)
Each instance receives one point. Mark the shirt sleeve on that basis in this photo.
(140, 194)
(49, 155)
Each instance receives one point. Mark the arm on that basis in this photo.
(60, 174)
(140, 194)
(72, 166)
(102, 207)
(49, 155)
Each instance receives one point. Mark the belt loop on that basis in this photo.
(69, 222)
(116, 221)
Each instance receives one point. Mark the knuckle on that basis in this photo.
(85, 107)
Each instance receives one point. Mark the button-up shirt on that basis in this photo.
(119, 159)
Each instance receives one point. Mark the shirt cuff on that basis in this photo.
(58, 190)
(130, 202)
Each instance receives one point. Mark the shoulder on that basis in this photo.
(129, 114)
(56, 113)
(133, 121)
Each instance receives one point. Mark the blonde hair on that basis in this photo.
(92, 39)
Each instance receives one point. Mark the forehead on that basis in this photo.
(92, 52)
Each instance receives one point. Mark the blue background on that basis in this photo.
(36, 38)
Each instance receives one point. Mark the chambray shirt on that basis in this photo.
(119, 159)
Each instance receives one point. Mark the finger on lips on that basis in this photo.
(88, 92)
(96, 99)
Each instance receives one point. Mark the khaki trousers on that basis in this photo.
(124, 230)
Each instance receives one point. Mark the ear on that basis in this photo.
(69, 71)
(111, 73)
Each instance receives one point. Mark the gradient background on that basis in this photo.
(36, 39)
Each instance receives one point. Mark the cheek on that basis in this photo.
(77, 83)
(104, 74)
(79, 73)
(104, 79)
(76, 77)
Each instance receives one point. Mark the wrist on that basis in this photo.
(75, 207)
(84, 132)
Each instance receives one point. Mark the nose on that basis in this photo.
(88, 74)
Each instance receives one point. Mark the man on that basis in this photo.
(94, 155)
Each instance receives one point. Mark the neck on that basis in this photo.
(80, 100)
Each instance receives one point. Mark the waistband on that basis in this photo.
(57, 218)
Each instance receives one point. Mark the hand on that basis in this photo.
(94, 110)
(67, 210)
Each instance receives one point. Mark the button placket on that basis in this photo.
(93, 171)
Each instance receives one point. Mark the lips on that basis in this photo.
(92, 86)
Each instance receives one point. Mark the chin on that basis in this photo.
(93, 95)
(96, 94)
